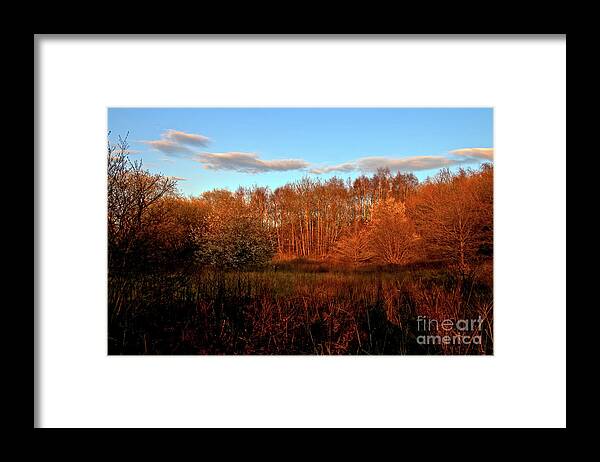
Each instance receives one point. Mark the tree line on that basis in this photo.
(385, 218)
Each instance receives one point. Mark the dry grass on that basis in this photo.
(299, 307)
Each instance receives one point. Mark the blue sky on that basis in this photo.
(227, 147)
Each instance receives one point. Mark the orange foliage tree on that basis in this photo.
(453, 215)
(392, 237)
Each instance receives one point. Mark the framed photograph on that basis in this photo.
(300, 231)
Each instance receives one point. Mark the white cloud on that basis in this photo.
(168, 147)
(191, 139)
(173, 142)
(406, 164)
(176, 142)
(247, 162)
(477, 153)
(410, 164)
(346, 167)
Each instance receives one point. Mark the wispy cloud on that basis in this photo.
(410, 164)
(174, 142)
(346, 167)
(247, 162)
(192, 139)
(477, 153)
(168, 147)
(178, 178)
(407, 164)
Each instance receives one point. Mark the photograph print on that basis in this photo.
(300, 231)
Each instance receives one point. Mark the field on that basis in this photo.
(300, 307)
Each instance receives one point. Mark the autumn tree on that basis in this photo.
(169, 228)
(132, 190)
(483, 192)
(235, 236)
(453, 214)
(354, 247)
(310, 215)
(391, 235)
